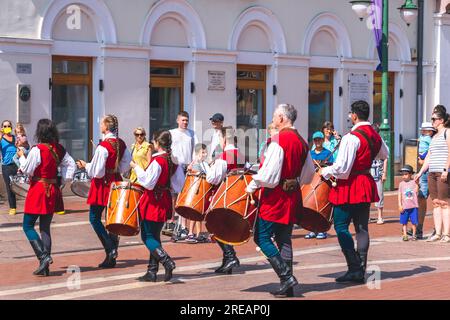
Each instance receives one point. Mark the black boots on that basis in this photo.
(363, 258)
(355, 265)
(161, 256)
(290, 291)
(287, 280)
(152, 270)
(111, 252)
(229, 260)
(44, 257)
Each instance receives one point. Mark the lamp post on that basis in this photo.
(408, 12)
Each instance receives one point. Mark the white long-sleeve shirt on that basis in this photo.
(269, 174)
(215, 146)
(149, 177)
(183, 143)
(347, 154)
(33, 160)
(218, 170)
(96, 168)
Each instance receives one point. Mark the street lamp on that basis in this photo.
(361, 8)
(408, 13)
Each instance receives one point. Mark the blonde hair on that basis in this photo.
(20, 129)
(112, 124)
(140, 129)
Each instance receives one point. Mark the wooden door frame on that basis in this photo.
(77, 79)
(254, 84)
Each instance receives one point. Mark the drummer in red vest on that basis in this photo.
(355, 189)
(44, 195)
(228, 160)
(286, 165)
(160, 178)
(111, 158)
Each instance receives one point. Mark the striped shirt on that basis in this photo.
(438, 153)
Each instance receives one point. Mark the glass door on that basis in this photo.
(377, 98)
(320, 102)
(72, 104)
(166, 94)
(250, 104)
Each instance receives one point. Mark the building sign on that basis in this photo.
(216, 80)
(23, 68)
(24, 103)
(358, 86)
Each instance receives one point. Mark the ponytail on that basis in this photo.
(112, 123)
(164, 139)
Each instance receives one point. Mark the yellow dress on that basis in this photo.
(139, 156)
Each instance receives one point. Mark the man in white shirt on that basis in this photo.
(355, 189)
(183, 143)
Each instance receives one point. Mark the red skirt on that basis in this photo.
(99, 191)
(37, 201)
(356, 189)
(156, 208)
(280, 206)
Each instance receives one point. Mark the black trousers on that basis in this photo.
(9, 170)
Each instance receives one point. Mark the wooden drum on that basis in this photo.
(316, 214)
(194, 199)
(232, 213)
(122, 216)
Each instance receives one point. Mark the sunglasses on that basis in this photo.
(139, 135)
(434, 119)
(7, 127)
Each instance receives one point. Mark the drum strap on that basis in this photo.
(369, 141)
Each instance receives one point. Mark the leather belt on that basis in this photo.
(359, 172)
(47, 184)
(289, 185)
(44, 180)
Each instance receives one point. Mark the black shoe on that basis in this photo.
(229, 260)
(409, 232)
(110, 250)
(152, 271)
(169, 265)
(355, 270)
(43, 256)
(284, 272)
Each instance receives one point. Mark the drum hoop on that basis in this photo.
(197, 178)
(127, 187)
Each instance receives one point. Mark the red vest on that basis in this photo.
(360, 186)
(45, 198)
(156, 205)
(233, 158)
(277, 205)
(99, 191)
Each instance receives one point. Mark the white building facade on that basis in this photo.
(144, 61)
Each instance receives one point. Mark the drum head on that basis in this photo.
(313, 221)
(189, 213)
(122, 229)
(228, 226)
(19, 188)
(80, 188)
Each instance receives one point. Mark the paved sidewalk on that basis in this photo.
(407, 270)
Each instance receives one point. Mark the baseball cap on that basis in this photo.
(217, 117)
(427, 126)
(407, 168)
(318, 135)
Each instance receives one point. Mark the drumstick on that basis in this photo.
(333, 182)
